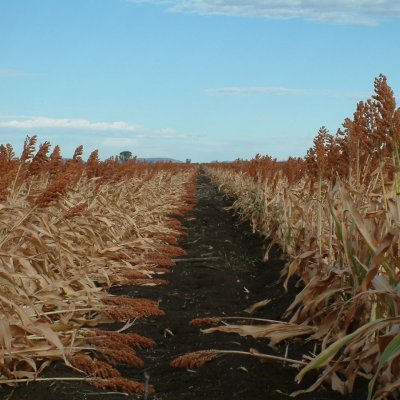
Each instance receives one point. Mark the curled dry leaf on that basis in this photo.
(256, 306)
(275, 332)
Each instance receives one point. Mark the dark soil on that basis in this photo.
(221, 287)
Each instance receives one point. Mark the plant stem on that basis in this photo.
(260, 355)
(45, 380)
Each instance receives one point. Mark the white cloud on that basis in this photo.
(119, 142)
(367, 12)
(14, 73)
(109, 138)
(255, 90)
(11, 73)
(118, 134)
(239, 91)
(65, 123)
(169, 133)
(14, 116)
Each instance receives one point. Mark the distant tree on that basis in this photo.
(188, 161)
(125, 155)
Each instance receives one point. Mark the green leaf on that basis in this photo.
(327, 355)
(392, 350)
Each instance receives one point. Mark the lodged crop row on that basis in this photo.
(336, 214)
(69, 230)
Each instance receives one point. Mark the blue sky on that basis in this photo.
(200, 79)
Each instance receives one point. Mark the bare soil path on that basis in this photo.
(223, 276)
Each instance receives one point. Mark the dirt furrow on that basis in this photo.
(224, 275)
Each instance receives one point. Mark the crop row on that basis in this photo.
(336, 214)
(69, 230)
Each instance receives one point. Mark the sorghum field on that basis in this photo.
(307, 306)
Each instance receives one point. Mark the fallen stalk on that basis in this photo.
(105, 394)
(272, 321)
(199, 358)
(221, 319)
(25, 380)
(71, 311)
(41, 350)
(264, 356)
(195, 259)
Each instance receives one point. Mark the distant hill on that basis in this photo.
(159, 159)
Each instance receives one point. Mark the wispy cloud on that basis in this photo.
(116, 131)
(169, 133)
(108, 137)
(235, 90)
(119, 142)
(14, 116)
(65, 123)
(15, 73)
(367, 12)
(242, 91)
